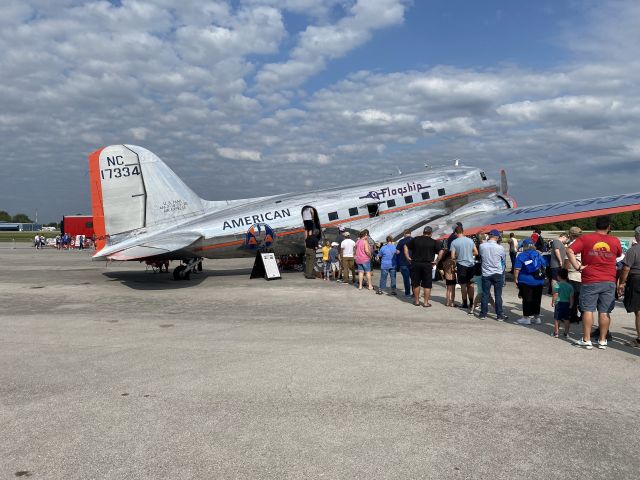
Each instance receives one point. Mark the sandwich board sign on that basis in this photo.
(265, 266)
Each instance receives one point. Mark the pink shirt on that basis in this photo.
(361, 254)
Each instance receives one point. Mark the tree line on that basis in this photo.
(21, 218)
(620, 221)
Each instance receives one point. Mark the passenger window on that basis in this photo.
(408, 199)
(425, 195)
(353, 211)
(441, 192)
(391, 203)
(333, 216)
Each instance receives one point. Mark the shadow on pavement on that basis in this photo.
(147, 280)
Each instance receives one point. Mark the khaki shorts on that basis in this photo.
(348, 263)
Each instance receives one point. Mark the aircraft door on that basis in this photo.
(374, 209)
(311, 220)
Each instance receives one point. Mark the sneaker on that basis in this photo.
(581, 343)
(524, 321)
(393, 292)
(555, 335)
(470, 312)
(464, 306)
(379, 292)
(502, 318)
(537, 320)
(602, 345)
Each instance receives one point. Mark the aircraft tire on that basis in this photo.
(178, 272)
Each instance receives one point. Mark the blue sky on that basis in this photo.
(233, 94)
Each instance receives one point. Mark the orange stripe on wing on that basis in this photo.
(97, 206)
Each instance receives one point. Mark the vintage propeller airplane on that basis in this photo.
(143, 211)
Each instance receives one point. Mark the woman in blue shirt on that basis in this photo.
(528, 262)
(387, 256)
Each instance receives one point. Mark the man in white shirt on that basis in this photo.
(347, 248)
(307, 219)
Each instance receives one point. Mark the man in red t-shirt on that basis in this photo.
(599, 251)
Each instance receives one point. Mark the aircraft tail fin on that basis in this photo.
(131, 188)
(504, 186)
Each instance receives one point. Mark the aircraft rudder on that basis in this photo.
(97, 207)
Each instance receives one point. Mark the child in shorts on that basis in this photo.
(477, 279)
(562, 301)
(325, 260)
(334, 259)
(448, 272)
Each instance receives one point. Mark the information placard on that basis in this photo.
(265, 266)
(271, 269)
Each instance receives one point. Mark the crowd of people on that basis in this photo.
(63, 242)
(585, 273)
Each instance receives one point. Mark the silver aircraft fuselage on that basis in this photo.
(410, 201)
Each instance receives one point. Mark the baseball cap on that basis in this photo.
(427, 229)
(341, 228)
(494, 233)
(575, 231)
(347, 234)
(637, 230)
(334, 244)
(527, 241)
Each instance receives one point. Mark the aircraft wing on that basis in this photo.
(150, 246)
(380, 227)
(510, 219)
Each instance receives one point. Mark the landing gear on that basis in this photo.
(180, 273)
(183, 272)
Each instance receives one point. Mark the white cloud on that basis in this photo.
(463, 125)
(318, 158)
(139, 133)
(372, 116)
(209, 84)
(319, 43)
(239, 154)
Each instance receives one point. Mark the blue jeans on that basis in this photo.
(383, 277)
(496, 281)
(406, 278)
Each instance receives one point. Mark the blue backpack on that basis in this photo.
(536, 267)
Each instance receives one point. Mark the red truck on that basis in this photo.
(77, 225)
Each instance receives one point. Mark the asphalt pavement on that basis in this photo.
(108, 371)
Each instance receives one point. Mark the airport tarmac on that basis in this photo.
(111, 372)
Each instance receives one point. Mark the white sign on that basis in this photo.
(270, 266)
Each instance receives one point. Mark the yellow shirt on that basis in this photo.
(325, 254)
